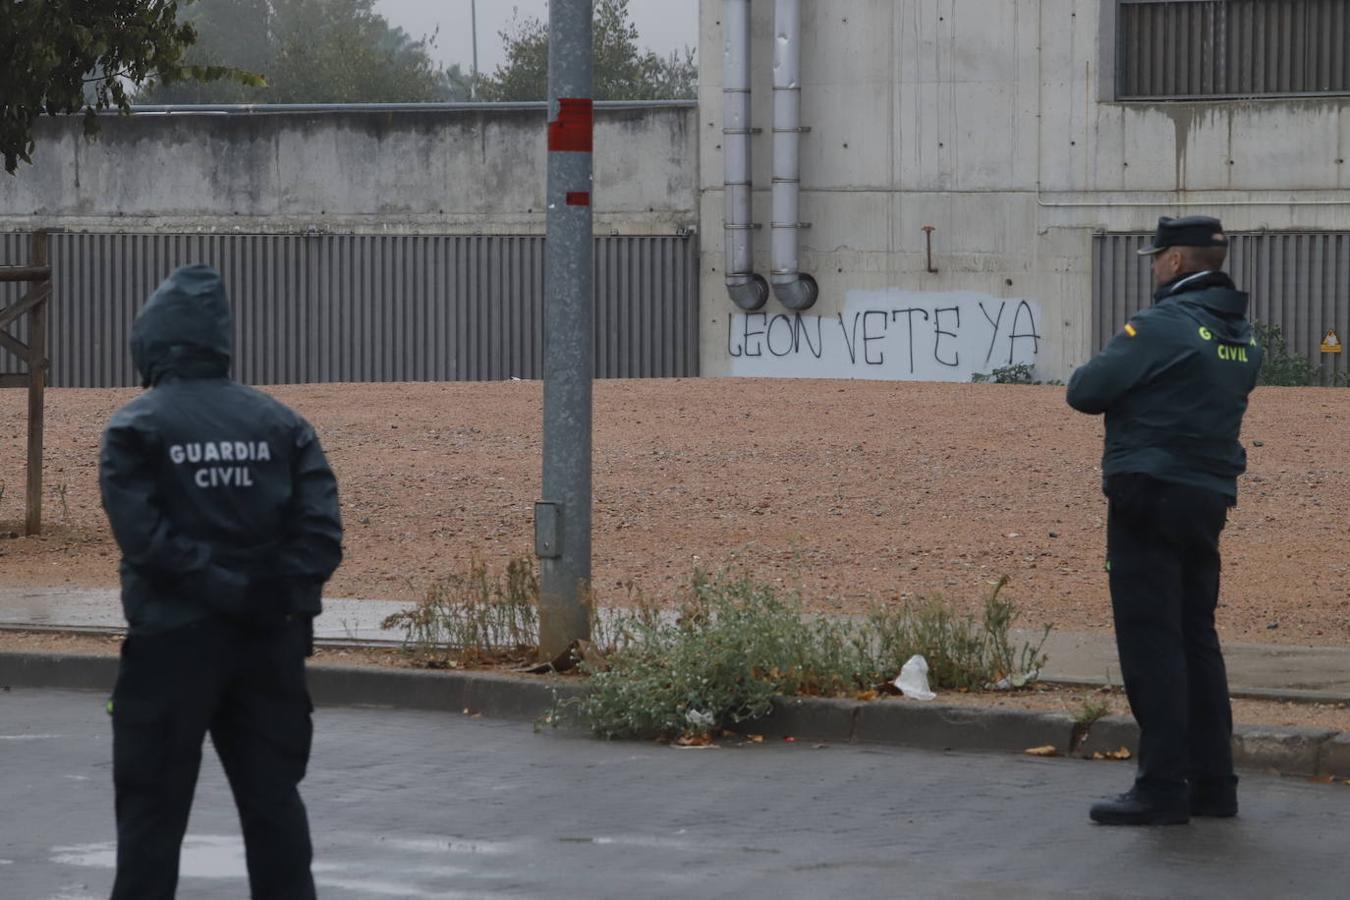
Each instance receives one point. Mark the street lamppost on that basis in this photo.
(473, 26)
(563, 517)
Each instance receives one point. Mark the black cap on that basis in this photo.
(1192, 231)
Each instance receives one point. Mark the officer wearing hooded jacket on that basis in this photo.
(1174, 387)
(226, 513)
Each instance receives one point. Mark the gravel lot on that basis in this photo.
(855, 492)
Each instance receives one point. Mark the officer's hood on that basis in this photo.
(185, 329)
(1212, 298)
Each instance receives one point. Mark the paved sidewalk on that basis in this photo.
(342, 619)
(1314, 673)
(409, 804)
(1321, 673)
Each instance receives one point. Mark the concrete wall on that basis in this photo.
(990, 120)
(449, 170)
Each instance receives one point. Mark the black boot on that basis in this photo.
(1131, 808)
(1214, 798)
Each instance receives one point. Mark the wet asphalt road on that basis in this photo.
(427, 805)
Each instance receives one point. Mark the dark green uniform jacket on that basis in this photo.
(1174, 386)
(220, 497)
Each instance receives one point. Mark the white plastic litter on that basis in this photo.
(1014, 682)
(913, 679)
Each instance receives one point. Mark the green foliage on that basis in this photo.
(720, 659)
(310, 51)
(1022, 373)
(622, 70)
(68, 56)
(962, 654)
(474, 616)
(1091, 712)
(1282, 368)
(738, 643)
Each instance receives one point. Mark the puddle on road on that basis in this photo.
(33, 737)
(368, 887)
(204, 856)
(218, 857)
(444, 845)
(661, 843)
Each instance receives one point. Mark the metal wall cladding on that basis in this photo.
(1179, 49)
(1299, 281)
(14, 251)
(372, 308)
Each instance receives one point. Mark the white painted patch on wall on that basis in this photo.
(890, 335)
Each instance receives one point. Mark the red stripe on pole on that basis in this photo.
(574, 129)
(579, 198)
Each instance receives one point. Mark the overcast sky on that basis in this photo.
(665, 25)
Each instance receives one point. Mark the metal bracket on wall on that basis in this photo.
(928, 234)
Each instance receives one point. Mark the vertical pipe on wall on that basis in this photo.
(793, 288)
(747, 290)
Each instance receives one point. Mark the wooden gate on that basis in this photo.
(33, 354)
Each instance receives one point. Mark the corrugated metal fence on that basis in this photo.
(361, 308)
(1298, 281)
(1179, 49)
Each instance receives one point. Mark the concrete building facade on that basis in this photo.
(971, 181)
(997, 123)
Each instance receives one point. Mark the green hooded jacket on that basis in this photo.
(220, 497)
(1174, 386)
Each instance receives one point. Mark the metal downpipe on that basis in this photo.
(794, 289)
(747, 290)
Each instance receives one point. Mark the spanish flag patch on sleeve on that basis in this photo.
(1131, 330)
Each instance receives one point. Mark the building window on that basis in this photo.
(1231, 49)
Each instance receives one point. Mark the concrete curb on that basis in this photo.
(75, 672)
(496, 696)
(1281, 695)
(931, 726)
(501, 696)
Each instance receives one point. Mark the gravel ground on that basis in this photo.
(855, 492)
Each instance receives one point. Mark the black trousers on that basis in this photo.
(247, 689)
(1163, 547)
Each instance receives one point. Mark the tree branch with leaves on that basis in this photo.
(623, 70)
(69, 56)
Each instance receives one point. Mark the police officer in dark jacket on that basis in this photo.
(226, 513)
(1174, 387)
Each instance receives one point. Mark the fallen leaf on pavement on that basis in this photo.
(1047, 750)
(755, 738)
(868, 696)
(1122, 753)
(694, 740)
